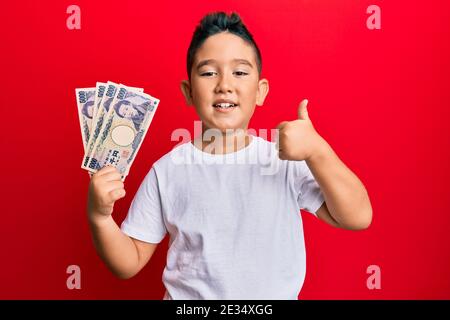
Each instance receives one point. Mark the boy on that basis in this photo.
(235, 231)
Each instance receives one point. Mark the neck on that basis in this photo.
(215, 141)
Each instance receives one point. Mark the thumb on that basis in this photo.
(117, 194)
(303, 110)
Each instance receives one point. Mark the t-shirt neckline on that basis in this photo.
(233, 154)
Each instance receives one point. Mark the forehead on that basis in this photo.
(225, 47)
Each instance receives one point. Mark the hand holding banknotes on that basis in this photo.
(114, 120)
(105, 188)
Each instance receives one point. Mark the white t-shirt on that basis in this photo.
(233, 219)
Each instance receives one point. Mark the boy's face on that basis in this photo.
(225, 72)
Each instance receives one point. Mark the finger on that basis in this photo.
(280, 144)
(112, 176)
(281, 155)
(105, 170)
(117, 194)
(112, 185)
(303, 110)
(277, 139)
(282, 124)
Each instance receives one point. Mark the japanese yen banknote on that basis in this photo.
(114, 120)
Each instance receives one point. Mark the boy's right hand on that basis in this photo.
(105, 188)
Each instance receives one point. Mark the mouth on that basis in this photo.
(224, 105)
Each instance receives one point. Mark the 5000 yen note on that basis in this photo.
(98, 122)
(85, 103)
(124, 129)
(100, 89)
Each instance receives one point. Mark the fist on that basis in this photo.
(105, 188)
(298, 140)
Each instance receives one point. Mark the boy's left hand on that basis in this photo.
(298, 140)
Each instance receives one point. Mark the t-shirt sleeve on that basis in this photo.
(310, 197)
(144, 220)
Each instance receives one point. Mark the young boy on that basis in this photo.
(235, 228)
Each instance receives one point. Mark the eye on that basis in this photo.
(240, 73)
(207, 74)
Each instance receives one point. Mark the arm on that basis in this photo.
(123, 255)
(347, 203)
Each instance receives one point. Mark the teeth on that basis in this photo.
(224, 105)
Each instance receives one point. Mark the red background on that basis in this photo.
(379, 97)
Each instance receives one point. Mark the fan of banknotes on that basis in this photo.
(114, 120)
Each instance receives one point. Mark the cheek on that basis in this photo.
(202, 96)
(248, 95)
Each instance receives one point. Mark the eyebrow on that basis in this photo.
(211, 61)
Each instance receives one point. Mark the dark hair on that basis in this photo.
(218, 22)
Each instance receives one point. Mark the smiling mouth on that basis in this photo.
(224, 105)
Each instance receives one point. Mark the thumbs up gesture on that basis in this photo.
(297, 139)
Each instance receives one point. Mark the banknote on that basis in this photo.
(85, 104)
(124, 128)
(97, 124)
(98, 121)
(99, 92)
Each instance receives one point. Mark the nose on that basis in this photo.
(224, 84)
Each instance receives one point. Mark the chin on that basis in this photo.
(224, 127)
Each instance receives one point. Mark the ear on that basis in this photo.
(186, 90)
(263, 90)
